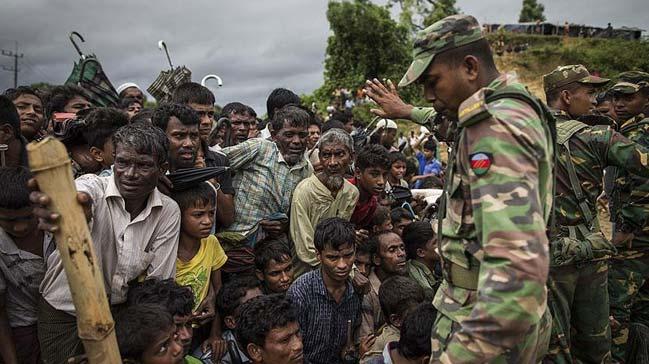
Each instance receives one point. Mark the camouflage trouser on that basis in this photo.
(531, 349)
(578, 300)
(628, 287)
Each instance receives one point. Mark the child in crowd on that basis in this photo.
(363, 259)
(200, 255)
(400, 219)
(269, 331)
(414, 345)
(430, 169)
(381, 220)
(423, 261)
(178, 302)
(397, 296)
(22, 269)
(274, 265)
(229, 300)
(398, 166)
(146, 334)
(372, 165)
(101, 124)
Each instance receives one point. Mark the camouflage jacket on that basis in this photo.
(632, 192)
(592, 148)
(498, 204)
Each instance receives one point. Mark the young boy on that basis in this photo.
(269, 331)
(398, 166)
(414, 345)
(397, 296)
(430, 168)
(423, 261)
(363, 259)
(274, 265)
(200, 255)
(21, 269)
(400, 219)
(101, 124)
(372, 165)
(235, 293)
(178, 302)
(146, 334)
(381, 221)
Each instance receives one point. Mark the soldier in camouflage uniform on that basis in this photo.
(579, 252)
(493, 301)
(629, 272)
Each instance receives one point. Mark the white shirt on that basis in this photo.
(126, 249)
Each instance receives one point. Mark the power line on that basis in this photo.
(15, 69)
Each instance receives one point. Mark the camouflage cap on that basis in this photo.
(636, 77)
(626, 88)
(631, 82)
(448, 33)
(564, 75)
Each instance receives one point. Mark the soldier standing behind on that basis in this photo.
(579, 252)
(629, 274)
(493, 301)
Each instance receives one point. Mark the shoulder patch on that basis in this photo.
(480, 162)
(473, 109)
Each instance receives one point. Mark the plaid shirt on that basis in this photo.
(323, 322)
(263, 182)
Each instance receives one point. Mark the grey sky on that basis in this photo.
(254, 45)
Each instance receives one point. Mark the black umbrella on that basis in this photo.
(184, 179)
(89, 75)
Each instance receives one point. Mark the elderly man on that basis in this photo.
(265, 174)
(324, 194)
(134, 229)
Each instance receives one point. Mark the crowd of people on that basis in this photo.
(228, 238)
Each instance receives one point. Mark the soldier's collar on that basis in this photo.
(560, 114)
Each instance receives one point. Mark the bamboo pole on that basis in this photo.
(51, 167)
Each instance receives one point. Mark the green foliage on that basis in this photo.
(365, 43)
(441, 10)
(418, 14)
(609, 57)
(531, 12)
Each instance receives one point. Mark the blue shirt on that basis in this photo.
(323, 321)
(432, 166)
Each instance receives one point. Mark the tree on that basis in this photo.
(365, 43)
(531, 12)
(418, 14)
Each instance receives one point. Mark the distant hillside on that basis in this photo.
(608, 57)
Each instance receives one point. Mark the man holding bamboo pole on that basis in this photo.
(134, 229)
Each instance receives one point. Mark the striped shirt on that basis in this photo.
(263, 182)
(126, 249)
(323, 321)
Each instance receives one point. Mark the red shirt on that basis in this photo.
(364, 211)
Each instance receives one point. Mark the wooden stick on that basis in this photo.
(52, 169)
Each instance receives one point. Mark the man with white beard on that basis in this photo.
(324, 194)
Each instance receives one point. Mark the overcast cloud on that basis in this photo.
(254, 45)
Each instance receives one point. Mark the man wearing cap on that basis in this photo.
(579, 252)
(130, 90)
(492, 303)
(629, 274)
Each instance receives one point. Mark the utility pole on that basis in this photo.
(15, 70)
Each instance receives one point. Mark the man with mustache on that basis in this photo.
(266, 173)
(242, 118)
(324, 194)
(180, 124)
(497, 201)
(388, 256)
(134, 228)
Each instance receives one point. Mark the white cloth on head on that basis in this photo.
(126, 85)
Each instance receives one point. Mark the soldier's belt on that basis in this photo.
(461, 277)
